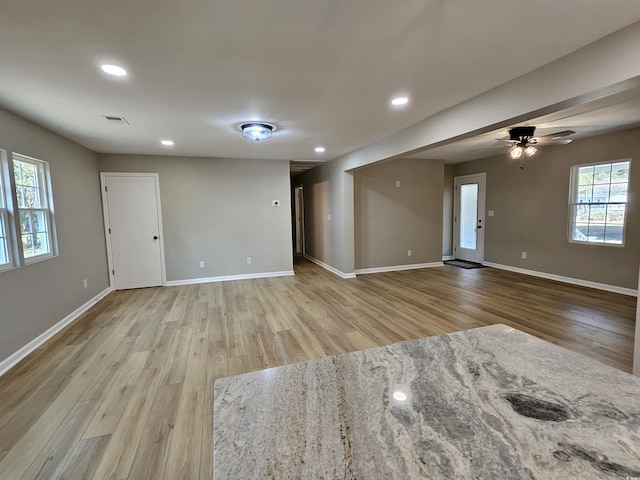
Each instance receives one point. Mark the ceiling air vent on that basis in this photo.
(116, 120)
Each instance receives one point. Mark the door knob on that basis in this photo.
(155, 237)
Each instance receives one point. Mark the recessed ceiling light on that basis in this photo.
(400, 396)
(167, 143)
(114, 70)
(399, 101)
(319, 149)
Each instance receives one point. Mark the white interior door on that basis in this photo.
(468, 222)
(133, 228)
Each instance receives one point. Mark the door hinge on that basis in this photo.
(113, 272)
(109, 231)
(105, 188)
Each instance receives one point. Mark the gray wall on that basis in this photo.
(218, 211)
(35, 297)
(390, 220)
(531, 211)
(447, 211)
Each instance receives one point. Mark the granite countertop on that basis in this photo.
(487, 403)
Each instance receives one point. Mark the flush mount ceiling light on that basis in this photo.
(319, 150)
(256, 131)
(114, 70)
(167, 143)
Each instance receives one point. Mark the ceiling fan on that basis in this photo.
(522, 140)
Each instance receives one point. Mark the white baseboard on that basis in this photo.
(330, 268)
(14, 358)
(559, 278)
(448, 257)
(397, 268)
(226, 278)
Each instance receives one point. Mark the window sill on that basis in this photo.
(598, 244)
(38, 259)
(7, 268)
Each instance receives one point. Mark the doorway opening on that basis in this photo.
(299, 220)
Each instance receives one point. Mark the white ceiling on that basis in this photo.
(322, 71)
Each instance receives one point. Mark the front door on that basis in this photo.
(468, 219)
(133, 228)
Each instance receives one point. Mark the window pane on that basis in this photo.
(615, 214)
(585, 175)
(27, 185)
(580, 232)
(27, 173)
(596, 232)
(601, 193)
(468, 215)
(620, 172)
(618, 192)
(38, 221)
(35, 233)
(41, 243)
(581, 213)
(25, 222)
(4, 256)
(613, 234)
(585, 194)
(27, 246)
(597, 213)
(602, 174)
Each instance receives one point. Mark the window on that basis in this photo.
(34, 207)
(6, 258)
(598, 202)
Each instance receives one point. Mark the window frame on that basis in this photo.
(46, 207)
(5, 214)
(573, 194)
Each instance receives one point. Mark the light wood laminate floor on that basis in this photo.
(125, 392)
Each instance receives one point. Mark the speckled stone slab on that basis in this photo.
(488, 403)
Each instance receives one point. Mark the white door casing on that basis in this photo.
(468, 224)
(133, 228)
(299, 214)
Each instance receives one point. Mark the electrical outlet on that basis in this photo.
(397, 183)
(85, 283)
(201, 263)
(329, 217)
(524, 255)
(249, 260)
(409, 253)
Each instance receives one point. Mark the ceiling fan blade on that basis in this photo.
(557, 135)
(552, 141)
(502, 146)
